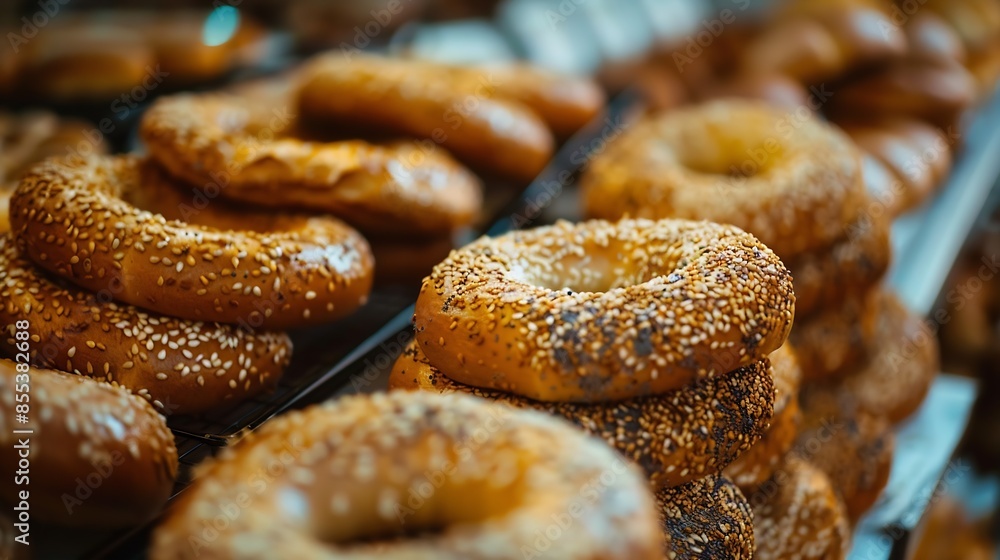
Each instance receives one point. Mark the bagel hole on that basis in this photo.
(595, 271)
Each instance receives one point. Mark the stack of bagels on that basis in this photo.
(898, 77)
(796, 182)
(663, 338)
(374, 141)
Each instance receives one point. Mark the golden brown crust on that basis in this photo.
(852, 446)
(706, 518)
(676, 437)
(459, 478)
(751, 159)
(468, 117)
(917, 154)
(90, 435)
(757, 464)
(931, 38)
(246, 148)
(851, 266)
(904, 361)
(934, 92)
(85, 61)
(602, 311)
(180, 366)
(797, 515)
(815, 41)
(31, 136)
(397, 261)
(566, 103)
(836, 341)
(776, 89)
(70, 219)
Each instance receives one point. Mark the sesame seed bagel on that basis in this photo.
(791, 180)
(675, 437)
(851, 266)
(836, 341)
(466, 113)
(99, 456)
(419, 476)
(69, 218)
(247, 148)
(852, 446)
(401, 261)
(601, 311)
(706, 518)
(757, 464)
(904, 361)
(180, 366)
(798, 516)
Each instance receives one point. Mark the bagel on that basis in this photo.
(31, 136)
(932, 39)
(816, 41)
(852, 446)
(676, 437)
(904, 361)
(852, 265)
(468, 116)
(84, 430)
(69, 218)
(775, 89)
(797, 515)
(565, 103)
(397, 261)
(86, 60)
(246, 148)
(918, 155)
(420, 476)
(179, 366)
(706, 518)
(933, 92)
(834, 342)
(601, 311)
(792, 181)
(756, 465)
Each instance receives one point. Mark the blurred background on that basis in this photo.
(102, 62)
